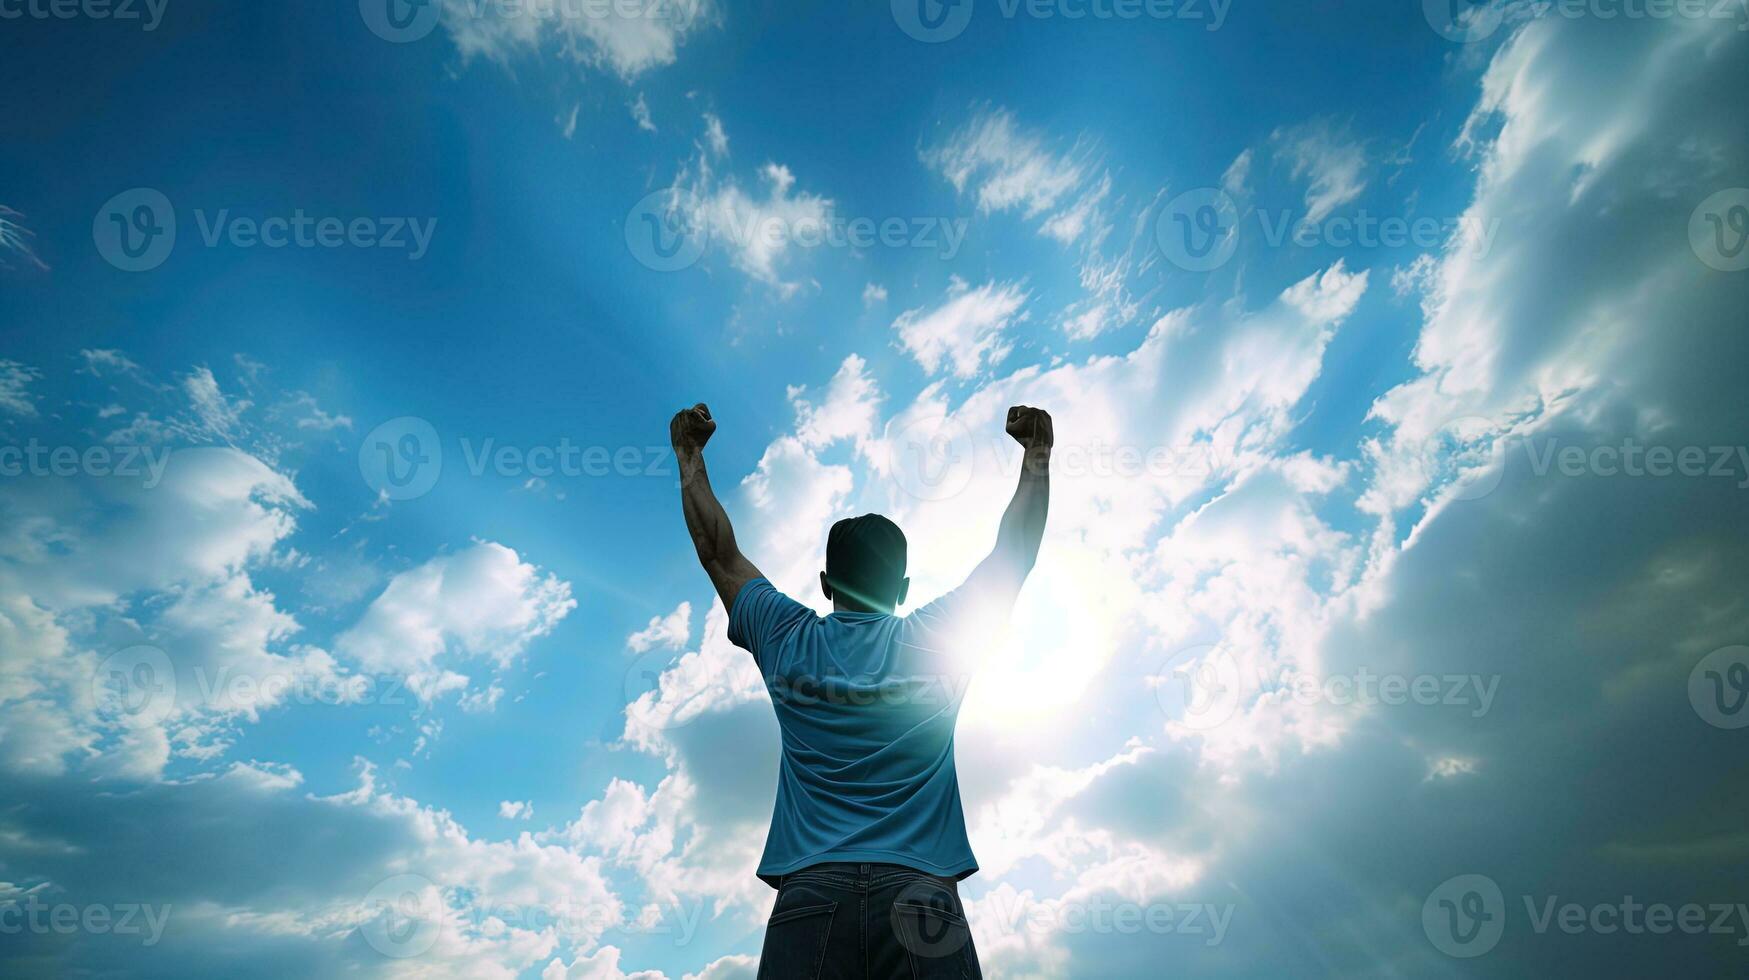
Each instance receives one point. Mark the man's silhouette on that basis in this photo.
(867, 839)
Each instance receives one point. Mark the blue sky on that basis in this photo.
(1318, 295)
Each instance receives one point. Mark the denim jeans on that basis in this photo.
(868, 922)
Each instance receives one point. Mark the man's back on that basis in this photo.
(866, 703)
(867, 841)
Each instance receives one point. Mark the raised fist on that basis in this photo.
(1031, 427)
(691, 427)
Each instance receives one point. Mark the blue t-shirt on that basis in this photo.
(866, 703)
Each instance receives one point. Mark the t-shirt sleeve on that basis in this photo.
(760, 616)
(957, 629)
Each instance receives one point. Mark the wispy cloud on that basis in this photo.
(1333, 164)
(966, 331)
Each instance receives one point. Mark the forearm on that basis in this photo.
(1023, 524)
(706, 521)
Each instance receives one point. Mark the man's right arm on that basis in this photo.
(713, 537)
(1000, 576)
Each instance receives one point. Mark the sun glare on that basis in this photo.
(1057, 641)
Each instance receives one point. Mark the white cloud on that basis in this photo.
(873, 293)
(715, 136)
(221, 417)
(628, 39)
(15, 379)
(670, 631)
(516, 810)
(1011, 168)
(303, 906)
(1236, 180)
(965, 332)
(848, 411)
(1332, 164)
(480, 603)
(1005, 166)
(641, 113)
(15, 242)
(759, 233)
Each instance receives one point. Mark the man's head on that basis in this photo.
(865, 565)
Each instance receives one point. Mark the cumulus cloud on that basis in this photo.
(483, 602)
(671, 630)
(627, 39)
(80, 550)
(759, 232)
(318, 902)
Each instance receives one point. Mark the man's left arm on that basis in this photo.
(713, 537)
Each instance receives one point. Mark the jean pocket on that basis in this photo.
(936, 937)
(796, 934)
